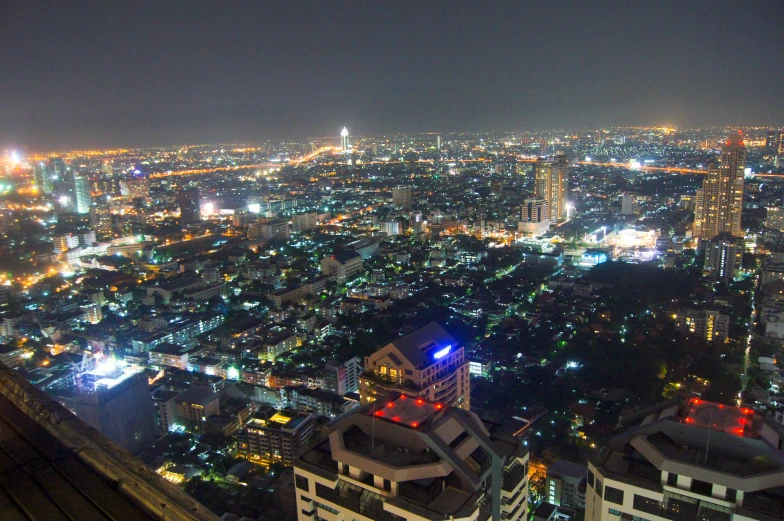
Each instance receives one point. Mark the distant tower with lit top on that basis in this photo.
(344, 142)
(720, 202)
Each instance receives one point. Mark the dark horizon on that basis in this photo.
(91, 75)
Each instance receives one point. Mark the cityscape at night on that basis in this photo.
(392, 261)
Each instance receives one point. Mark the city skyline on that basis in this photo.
(99, 76)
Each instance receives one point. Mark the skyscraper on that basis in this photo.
(720, 202)
(189, 202)
(552, 185)
(81, 194)
(43, 177)
(344, 142)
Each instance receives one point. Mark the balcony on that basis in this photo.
(680, 510)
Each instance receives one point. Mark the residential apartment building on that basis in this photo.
(709, 324)
(719, 203)
(566, 484)
(342, 377)
(270, 229)
(408, 459)
(275, 436)
(164, 410)
(304, 222)
(167, 354)
(194, 406)
(342, 265)
(426, 363)
(552, 184)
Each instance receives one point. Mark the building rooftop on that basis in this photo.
(197, 395)
(717, 443)
(56, 467)
(417, 345)
(167, 348)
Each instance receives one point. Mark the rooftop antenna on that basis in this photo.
(707, 444)
(373, 429)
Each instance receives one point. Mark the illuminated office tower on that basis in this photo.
(81, 194)
(189, 202)
(552, 185)
(344, 142)
(720, 202)
(427, 363)
(43, 177)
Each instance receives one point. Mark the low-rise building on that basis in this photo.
(194, 406)
(342, 265)
(275, 436)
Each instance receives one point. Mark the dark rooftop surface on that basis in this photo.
(41, 479)
(55, 467)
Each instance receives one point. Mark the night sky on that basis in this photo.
(83, 74)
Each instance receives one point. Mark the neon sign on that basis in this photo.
(442, 352)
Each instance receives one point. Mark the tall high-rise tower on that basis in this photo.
(720, 202)
(552, 185)
(344, 142)
(189, 202)
(81, 193)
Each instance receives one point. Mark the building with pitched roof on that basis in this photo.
(426, 363)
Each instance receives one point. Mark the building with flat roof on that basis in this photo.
(342, 265)
(427, 363)
(195, 406)
(167, 354)
(115, 399)
(692, 460)
(405, 458)
(566, 484)
(275, 436)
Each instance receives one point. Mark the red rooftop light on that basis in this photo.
(689, 420)
(414, 424)
(396, 418)
(420, 401)
(696, 401)
(379, 413)
(402, 396)
(439, 406)
(390, 404)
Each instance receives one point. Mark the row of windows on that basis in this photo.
(619, 513)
